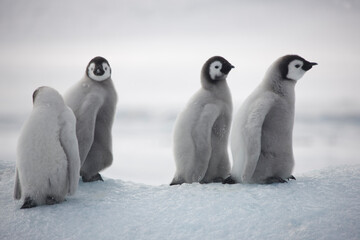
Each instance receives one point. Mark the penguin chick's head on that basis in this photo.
(293, 67)
(98, 69)
(47, 96)
(216, 68)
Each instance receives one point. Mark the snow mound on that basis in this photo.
(319, 205)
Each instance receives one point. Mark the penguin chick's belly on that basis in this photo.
(220, 130)
(272, 164)
(276, 157)
(219, 165)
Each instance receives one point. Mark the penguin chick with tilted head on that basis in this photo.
(93, 101)
(202, 128)
(261, 135)
(48, 162)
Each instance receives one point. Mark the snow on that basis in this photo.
(318, 205)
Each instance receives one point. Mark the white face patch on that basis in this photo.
(104, 76)
(295, 71)
(214, 70)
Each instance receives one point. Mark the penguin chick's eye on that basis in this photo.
(215, 70)
(295, 72)
(105, 68)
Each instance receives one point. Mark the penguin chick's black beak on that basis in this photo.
(98, 71)
(227, 68)
(308, 65)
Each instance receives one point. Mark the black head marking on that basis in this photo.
(36, 92)
(225, 68)
(285, 60)
(98, 61)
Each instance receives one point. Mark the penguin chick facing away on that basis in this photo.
(261, 135)
(93, 100)
(201, 130)
(48, 162)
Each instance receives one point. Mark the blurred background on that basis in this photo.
(156, 50)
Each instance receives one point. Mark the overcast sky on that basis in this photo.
(157, 48)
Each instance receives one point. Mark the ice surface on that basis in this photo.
(318, 205)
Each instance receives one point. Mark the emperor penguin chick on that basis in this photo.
(48, 162)
(202, 128)
(261, 135)
(93, 101)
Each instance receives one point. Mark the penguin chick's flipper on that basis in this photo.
(229, 180)
(28, 203)
(291, 178)
(50, 200)
(271, 180)
(96, 177)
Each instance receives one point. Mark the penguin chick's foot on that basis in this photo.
(173, 184)
(218, 180)
(291, 178)
(177, 181)
(271, 180)
(50, 200)
(229, 180)
(28, 203)
(96, 177)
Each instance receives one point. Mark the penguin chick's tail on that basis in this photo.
(229, 180)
